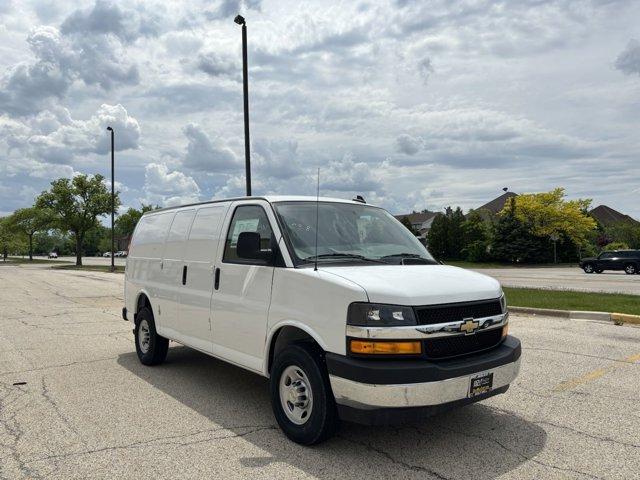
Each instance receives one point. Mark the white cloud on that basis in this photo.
(54, 137)
(409, 103)
(29, 87)
(405, 143)
(347, 175)
(217, 65)
(628, 62)
(276, 158)
(205, 154)
(168, 188)
(107, 17)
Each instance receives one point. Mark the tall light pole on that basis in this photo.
(245, 83)
(113, 201)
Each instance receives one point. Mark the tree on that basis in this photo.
(96, 239)
(548, 215)
(404, 220)
(513, 241)
(446, 235)
(625, 232)
(437, 236)
(616, 246)
(126, 223)
(29, 221)
(476, 237)
(10, 240)
(455, 233)
(77, 204)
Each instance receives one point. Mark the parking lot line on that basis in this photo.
(595, 374)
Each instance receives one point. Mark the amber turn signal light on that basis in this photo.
(385, 348)
(505, 330)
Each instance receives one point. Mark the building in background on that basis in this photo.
(420, 222)
(607, 216)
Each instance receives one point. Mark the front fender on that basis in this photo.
(288, 323)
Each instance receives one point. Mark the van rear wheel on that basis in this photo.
(301, 395)
(151, 348)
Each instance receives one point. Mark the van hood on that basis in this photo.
(418, 284)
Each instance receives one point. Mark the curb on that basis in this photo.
(620, 318)
(617, 318)
(548, 312)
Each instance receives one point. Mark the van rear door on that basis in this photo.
(144, 271)
(199, 260)
(173, 273)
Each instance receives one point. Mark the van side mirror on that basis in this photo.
(248, 246)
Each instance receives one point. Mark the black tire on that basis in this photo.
(322, 421)
(156, 348)
(588, 268)
(630, 269)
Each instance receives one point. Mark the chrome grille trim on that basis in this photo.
(423, 332)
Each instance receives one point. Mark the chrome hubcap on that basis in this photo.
(144, 336)
(588, 268)
(295, 394)
(631, 269)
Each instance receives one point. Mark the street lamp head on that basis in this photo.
(110, 129)
(239, 20)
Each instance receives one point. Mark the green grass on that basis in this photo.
(93, 268)
(568, 300)
(26, 261)
(478, 265)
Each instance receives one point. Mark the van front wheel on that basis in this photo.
(150, 347)
(301, 395)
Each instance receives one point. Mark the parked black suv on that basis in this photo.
(627, 260)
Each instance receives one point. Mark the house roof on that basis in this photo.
(417, 217)
(607, 216)
(497, 204)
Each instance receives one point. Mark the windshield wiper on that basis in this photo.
(342, 255)
(411, 256)
(403, 255)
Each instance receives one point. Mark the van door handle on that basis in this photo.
(184, 275)
(216, 282)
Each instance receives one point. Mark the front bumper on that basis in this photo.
(386, 391)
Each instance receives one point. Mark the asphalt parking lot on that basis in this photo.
(75, 403)
(566, 278)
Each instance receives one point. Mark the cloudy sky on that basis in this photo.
(413, 104)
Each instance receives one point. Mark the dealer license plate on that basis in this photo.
(480, 383)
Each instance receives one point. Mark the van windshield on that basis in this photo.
(348, 232)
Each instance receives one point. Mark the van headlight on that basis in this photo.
(503, 303)
(380, 315)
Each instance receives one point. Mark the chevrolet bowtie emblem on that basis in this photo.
(469, 326)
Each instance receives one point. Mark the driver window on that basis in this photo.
(247, 218)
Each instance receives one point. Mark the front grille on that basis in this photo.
(455, 312)
(444, 347)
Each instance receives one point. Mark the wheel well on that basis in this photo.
(286, 336)
(143, 301)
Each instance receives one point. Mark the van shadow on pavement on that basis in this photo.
(475, 442)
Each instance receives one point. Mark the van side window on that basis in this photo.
(247, 218)
(149, 235)
(174, 243)
(205, 234)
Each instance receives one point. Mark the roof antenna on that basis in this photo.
(315, 267)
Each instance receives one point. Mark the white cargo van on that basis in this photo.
(351, 320)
